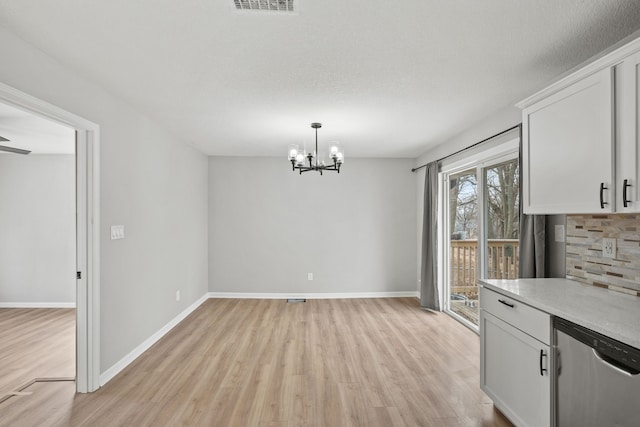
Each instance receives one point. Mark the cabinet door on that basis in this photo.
(568, 149)
(627, 130)
(510, 372)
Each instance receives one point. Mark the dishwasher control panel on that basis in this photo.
(613, 351)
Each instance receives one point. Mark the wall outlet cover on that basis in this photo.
(309, 276)
(609, 248)
(559, 233)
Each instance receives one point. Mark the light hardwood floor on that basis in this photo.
(35, 343)
(354, 362)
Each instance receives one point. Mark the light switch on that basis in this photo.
(117, 232)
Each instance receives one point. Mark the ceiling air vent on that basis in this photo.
(266, 5)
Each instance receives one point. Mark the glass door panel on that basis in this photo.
(463, 244)
(502, 199)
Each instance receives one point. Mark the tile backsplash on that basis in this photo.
(584, 256)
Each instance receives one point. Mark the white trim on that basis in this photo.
(88, 309)
(146, 344)
(312, 295)
(37, 305)
(492, 155)
(606, 59)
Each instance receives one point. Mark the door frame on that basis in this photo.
(87, 230)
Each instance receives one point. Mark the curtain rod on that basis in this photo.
(469, 147)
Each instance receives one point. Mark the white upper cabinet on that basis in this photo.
(627, 131)
(580, 139)
(568, 149)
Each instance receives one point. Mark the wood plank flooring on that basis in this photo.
(353, 362)
(35, 342)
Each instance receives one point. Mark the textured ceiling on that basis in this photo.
(386, 79)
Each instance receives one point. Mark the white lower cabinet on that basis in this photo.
(515, 366)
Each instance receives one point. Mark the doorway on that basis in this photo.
(37, 249)
(480, 216)
(87, 186)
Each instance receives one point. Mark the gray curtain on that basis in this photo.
(429, 297)
(532, 238)
(532, 246)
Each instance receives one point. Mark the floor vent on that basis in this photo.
(296, 300)
(265, 5)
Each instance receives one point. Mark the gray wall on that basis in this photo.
(151, 182)
(37, 228)
(269, 227)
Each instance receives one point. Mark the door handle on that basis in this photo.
(602, 202)
(506, 303)
(625, 184)
(542, 369)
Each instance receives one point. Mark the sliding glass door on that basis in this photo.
(480, 215)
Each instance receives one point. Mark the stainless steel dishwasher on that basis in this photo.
(597, 381)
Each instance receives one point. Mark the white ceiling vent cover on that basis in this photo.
(266, 5)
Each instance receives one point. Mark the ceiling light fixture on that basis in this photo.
(297, 158)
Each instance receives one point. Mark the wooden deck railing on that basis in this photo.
(502, 263)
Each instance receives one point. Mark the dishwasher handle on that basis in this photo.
(625, 370)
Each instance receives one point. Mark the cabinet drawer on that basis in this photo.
(526, 318)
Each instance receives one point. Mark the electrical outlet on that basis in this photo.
(559, 237)
(309, 276)
(609, 248)
(177, 295)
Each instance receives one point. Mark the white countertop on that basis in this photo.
(610, 313)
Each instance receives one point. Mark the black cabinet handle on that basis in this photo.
(542, 370)
(602, 202)
(506, 303)
(625, 184)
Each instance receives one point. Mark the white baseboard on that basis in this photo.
(107, 375)
(312, 295)
(37, 305)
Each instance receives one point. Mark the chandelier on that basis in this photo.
(297, 158)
